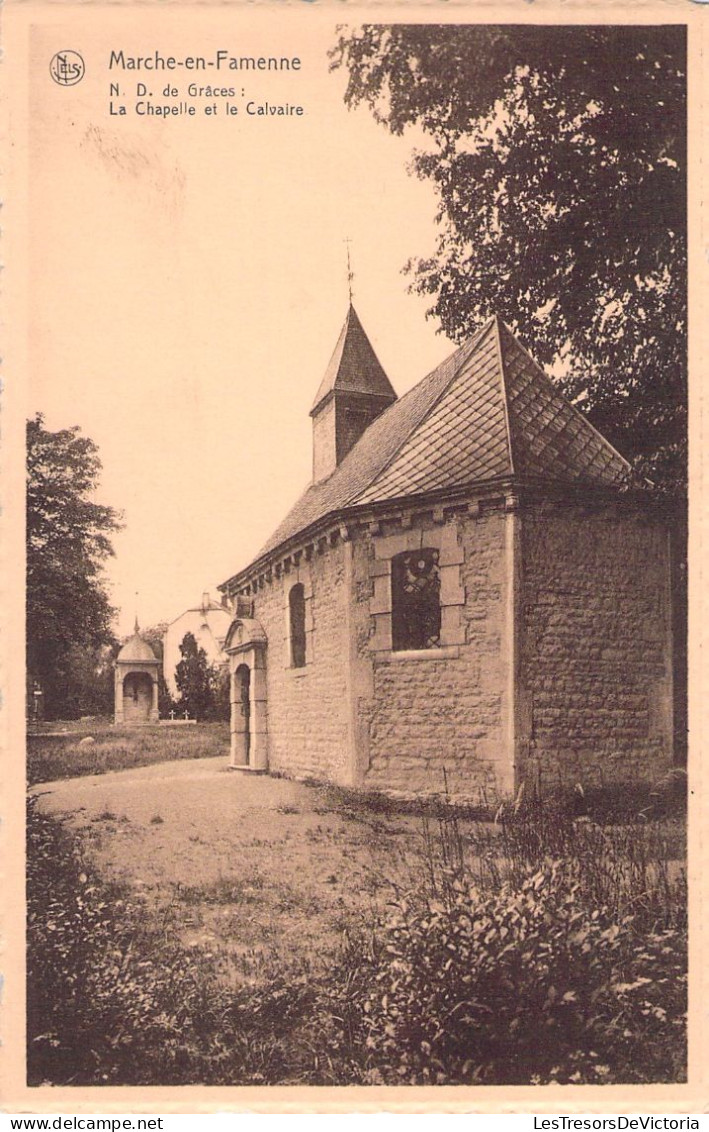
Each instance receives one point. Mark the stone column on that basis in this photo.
(118, 696)
(258, 755)
(360, 675)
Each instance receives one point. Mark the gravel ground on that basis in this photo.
(249, 865)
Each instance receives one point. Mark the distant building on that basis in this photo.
(208, 623)
(474, 583)
(136, 682)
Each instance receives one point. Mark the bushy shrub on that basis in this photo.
(522, 967)
(530, 983)
(616, 866)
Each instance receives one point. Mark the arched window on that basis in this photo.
(415, 600)
(296, 609)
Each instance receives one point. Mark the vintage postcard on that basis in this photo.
(352, 590)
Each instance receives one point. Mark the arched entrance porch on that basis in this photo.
(245, 645)
(241, 716)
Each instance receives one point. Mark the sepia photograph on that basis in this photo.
(356, 587)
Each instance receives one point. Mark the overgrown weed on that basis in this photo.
(539, 949)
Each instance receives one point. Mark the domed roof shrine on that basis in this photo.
(136, 683)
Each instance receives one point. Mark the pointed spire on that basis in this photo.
(352, 394)
(354, 367)
(136, 627)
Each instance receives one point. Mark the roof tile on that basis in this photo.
(354, 367)
(487, 412)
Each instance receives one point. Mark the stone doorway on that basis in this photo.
(137, 697)
(245, 645)
(241, 730)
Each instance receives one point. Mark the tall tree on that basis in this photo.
(155, 636)
(200, 684)
(68, 611)
(558, 155)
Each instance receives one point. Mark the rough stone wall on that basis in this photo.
(596, 689)
(307, 716)
(449, 708)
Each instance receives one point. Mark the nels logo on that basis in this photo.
(67, 68)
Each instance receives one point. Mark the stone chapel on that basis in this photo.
(473, 582)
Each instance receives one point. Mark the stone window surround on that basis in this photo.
(444, 539)
(296, 621)
(299, 574)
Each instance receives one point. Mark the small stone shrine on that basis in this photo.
(136, 683)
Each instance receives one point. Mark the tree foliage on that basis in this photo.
(203, 687)
(558, 155)
(155, 636)
(68, 541)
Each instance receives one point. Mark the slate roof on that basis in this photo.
(354, 367)
(487, 413)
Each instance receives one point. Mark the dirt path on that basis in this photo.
(246, 867)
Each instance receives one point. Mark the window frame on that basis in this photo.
(444, 537)
(416, 600)
(297, 630)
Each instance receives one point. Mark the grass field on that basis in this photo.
(204, 927)
(60, 750)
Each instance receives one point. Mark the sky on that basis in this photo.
(188, 282)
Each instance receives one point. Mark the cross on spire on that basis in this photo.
(350, 273)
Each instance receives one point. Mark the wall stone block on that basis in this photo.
(596, 650)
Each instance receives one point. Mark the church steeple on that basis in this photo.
(353, 392)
